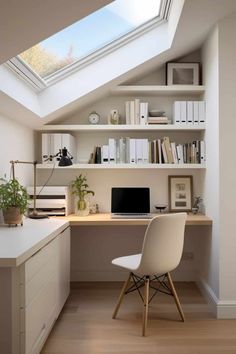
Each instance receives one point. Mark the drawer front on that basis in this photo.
(39, 316)
(37, 261)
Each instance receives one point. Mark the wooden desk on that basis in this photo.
(105, 219)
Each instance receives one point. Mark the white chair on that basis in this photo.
(161, 253)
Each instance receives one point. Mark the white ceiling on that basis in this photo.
(197, 19)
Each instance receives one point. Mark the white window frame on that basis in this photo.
(31, 77)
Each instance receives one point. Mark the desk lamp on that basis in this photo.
(63, 156)
(34, 214)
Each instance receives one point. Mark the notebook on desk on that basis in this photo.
(130, 202)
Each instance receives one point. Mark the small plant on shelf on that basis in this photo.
(13, 201)
(80, 189)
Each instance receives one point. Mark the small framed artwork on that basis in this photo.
(180, 193)
(182, 73)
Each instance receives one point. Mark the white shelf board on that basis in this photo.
(122, 166)
(172, 90)
(123, 127)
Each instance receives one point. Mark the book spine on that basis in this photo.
(176, 114)
(195, 112)
(137, 110)
(183, 112)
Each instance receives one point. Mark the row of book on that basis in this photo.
(189, 112)
(142, 151)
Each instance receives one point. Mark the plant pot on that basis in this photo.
(12, 216)
(82, 207)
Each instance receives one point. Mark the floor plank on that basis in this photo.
(85, 325)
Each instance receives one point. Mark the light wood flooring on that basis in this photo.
(85, 325)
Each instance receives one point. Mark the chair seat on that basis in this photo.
(128, 262)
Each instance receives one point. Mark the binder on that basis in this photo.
(202, 152)
(122, 148)
(139, 151)
(176, 115)
(143, 113)
(183, 112)
(179, 149)
(145, 150)
(105, 154)
(46, 147)
(190, 112)
(132, 151)
(195, 112)
(201, 112)
(112, 150)
(137, 111)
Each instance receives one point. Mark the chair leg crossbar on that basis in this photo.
(160, 284)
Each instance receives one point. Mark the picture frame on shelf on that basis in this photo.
(180, 190)
(182, 73)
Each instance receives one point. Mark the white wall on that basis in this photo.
(227, 129)
(16, 143)
(209, 254)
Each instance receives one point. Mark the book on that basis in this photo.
(174, 154)
(183, 112)
(195, 112)
(127, 112)
(190, 112)
(168, 150)
(201, 112)
(112, 150)
(163, 149)
(137, 111)
(105, 154)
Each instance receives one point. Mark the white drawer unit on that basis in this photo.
(39, 286)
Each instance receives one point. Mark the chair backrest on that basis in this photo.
(163, 244)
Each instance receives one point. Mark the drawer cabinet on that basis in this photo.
(44, 287)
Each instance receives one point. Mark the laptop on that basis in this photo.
(130, 202)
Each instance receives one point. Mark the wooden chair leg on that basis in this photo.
(125, 286)
(145, 305)
(177, 302)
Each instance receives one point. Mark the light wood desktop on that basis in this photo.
(105, 219)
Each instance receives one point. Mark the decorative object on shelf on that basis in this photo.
(180, 193)
(182, 73)
(93, 208)
(80, 189)
(13, 201)
(197, 205)
(160, 207)
(94, 118)
(114, 117)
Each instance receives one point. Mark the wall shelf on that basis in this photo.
(122, 166)
(122, 127)
(172, 90)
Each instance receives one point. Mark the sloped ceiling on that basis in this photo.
(197, 19)
(24, 23)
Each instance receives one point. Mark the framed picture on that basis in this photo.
(182, 73)
(180, 193)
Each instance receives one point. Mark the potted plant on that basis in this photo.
(80, 189)
(13, 201)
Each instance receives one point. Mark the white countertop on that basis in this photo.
(17, 244)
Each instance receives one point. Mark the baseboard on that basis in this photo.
(220, 308)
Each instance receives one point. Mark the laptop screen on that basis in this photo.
(130, 200)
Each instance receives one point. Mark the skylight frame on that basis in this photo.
(39, 84)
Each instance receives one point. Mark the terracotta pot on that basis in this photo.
(12, 216)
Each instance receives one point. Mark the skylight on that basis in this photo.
(88, 35)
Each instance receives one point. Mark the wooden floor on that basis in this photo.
(85, 325)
